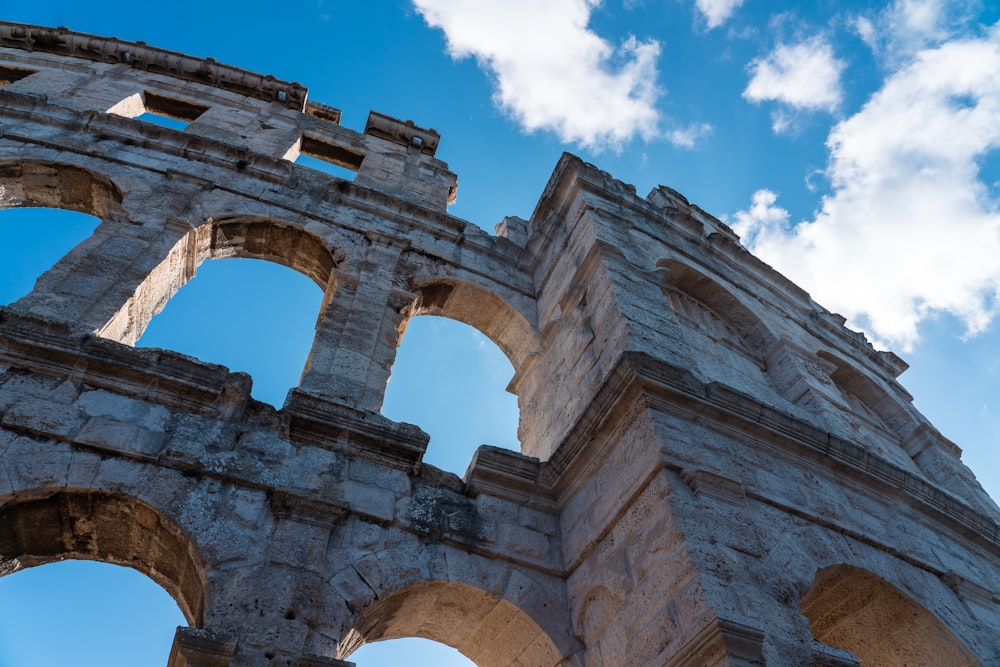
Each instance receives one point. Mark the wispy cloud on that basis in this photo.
(803, 76)
(909, 230)
(717, 12)
(552, 72)
(905, 27)
(688, 137)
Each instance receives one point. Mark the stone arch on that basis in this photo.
(749, 328)
(67, 187)
(856, 387)
(481, 309)
(44, 526)
(272, 240)
(57, 185)
(598, 609)
(488, 630)
(856, 610)
(232, 236)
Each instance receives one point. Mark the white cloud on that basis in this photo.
(867, 31)
(906, 27)
(762, 219)
(717, 12)
(909, 230)
(803, 76)
(687, 137)
(552, 72)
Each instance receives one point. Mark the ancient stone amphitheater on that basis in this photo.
(714, 470)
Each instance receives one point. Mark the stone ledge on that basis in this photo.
(753, 415)
(320, 661)
(64, 42)
(926, 437)
(705, 483)
(506, 474)
(824, 655)
(969, 591)
(313, 511)
(638, 377)
(741, 645)
(169, 378)
(194, 647)
(325, 423)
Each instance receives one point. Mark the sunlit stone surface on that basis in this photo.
(714, 470)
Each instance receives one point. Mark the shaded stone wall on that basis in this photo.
(701, 442)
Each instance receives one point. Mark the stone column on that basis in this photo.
(94, 283)
(357, 334)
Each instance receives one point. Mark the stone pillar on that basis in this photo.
(93, 283)
(357, 334)
(274, 604)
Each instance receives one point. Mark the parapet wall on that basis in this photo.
(263, 122)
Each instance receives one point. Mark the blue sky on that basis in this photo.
(853, 145)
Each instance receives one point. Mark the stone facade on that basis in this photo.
(714, 470)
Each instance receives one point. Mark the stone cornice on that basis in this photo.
(140, 56)
(645, 382)
(169, 378)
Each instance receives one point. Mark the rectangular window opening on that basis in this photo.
(330, 158)
(10, 74)
(170, 111)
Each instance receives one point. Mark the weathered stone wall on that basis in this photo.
(710, 460)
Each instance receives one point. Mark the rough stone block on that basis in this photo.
(111, 434)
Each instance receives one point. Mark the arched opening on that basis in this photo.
(272, 240)
(244, 237)
(46, 526)
(34, 239)
(257, 317)
(855, 610)
(409, 651)
(57, 185)
(75, 613)
(479, 308)
(450, 379)
(865, 396)
(679, 278)
(489, 631)
(253, 316)
(451, 372)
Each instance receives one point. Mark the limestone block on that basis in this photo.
(352, 588)
(29, 466)
(367, 472)
(114, 435)
(526, 543)
(43, 416)
(370, 499)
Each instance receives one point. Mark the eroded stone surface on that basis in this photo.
(714, 470)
